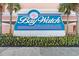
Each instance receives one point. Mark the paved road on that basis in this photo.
(39, 51)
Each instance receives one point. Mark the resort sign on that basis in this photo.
(35, 23)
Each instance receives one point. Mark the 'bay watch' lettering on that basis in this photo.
(42, 20)
(39, 23)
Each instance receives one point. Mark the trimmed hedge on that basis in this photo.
(12, 41)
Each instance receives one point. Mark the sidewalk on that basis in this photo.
(39, 51)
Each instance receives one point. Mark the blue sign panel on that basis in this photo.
(35, 20)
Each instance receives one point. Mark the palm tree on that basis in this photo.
(76, 9)
(66, 9)
(1, 10)
(12, 7)
(0, 19)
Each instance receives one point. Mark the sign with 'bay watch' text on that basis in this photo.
(36, 23)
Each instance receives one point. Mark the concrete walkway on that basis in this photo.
(39, 51)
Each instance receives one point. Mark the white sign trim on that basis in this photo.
(40, 33)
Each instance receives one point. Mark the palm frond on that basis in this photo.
(65, 8)
(13, 7)
(16, 7)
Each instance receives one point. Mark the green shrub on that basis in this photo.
(13, 41)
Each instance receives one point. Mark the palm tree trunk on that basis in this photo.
(67, 25)
(11, 6)
(0, 19)
(10, 22)
(77, 23)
